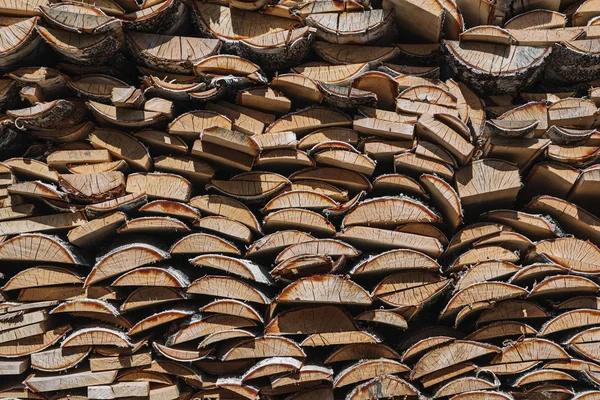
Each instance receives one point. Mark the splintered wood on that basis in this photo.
(299, 199)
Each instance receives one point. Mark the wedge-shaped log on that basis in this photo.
(59, 359)
(383, 239)
(445, 198)
(199, 328)
(158, 319)
(435, 129)
(351, 180)
(43, 223)
(450, 354)
(251, 186)
(310, 119)
(310, 320)
(89, 234)
(362, 351)
(154, 225)
(572, 253)
(119, 390)
(486, 271)
(37, 190)
(125, 117)
(121, 204)
(95, 187)
(122, 146)
(221, 286)
(124, 258)
(153, 276)
(263, 347)
(569, 216)
(232, 307)
(243, 268)
(304, 220)
(190, 125)
(487, 182)
(151, 296)
(478, 292)
(97, 336)
(410, 288)
(426, 22)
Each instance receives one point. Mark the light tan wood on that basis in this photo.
(69, 381)
(160, 186)
(59, 359)
(122, 146)
(119, 390)
(96, 230)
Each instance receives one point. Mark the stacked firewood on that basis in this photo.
(302, 200)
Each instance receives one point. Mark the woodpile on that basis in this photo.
(300, 199)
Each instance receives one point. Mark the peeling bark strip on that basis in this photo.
(300, 199)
